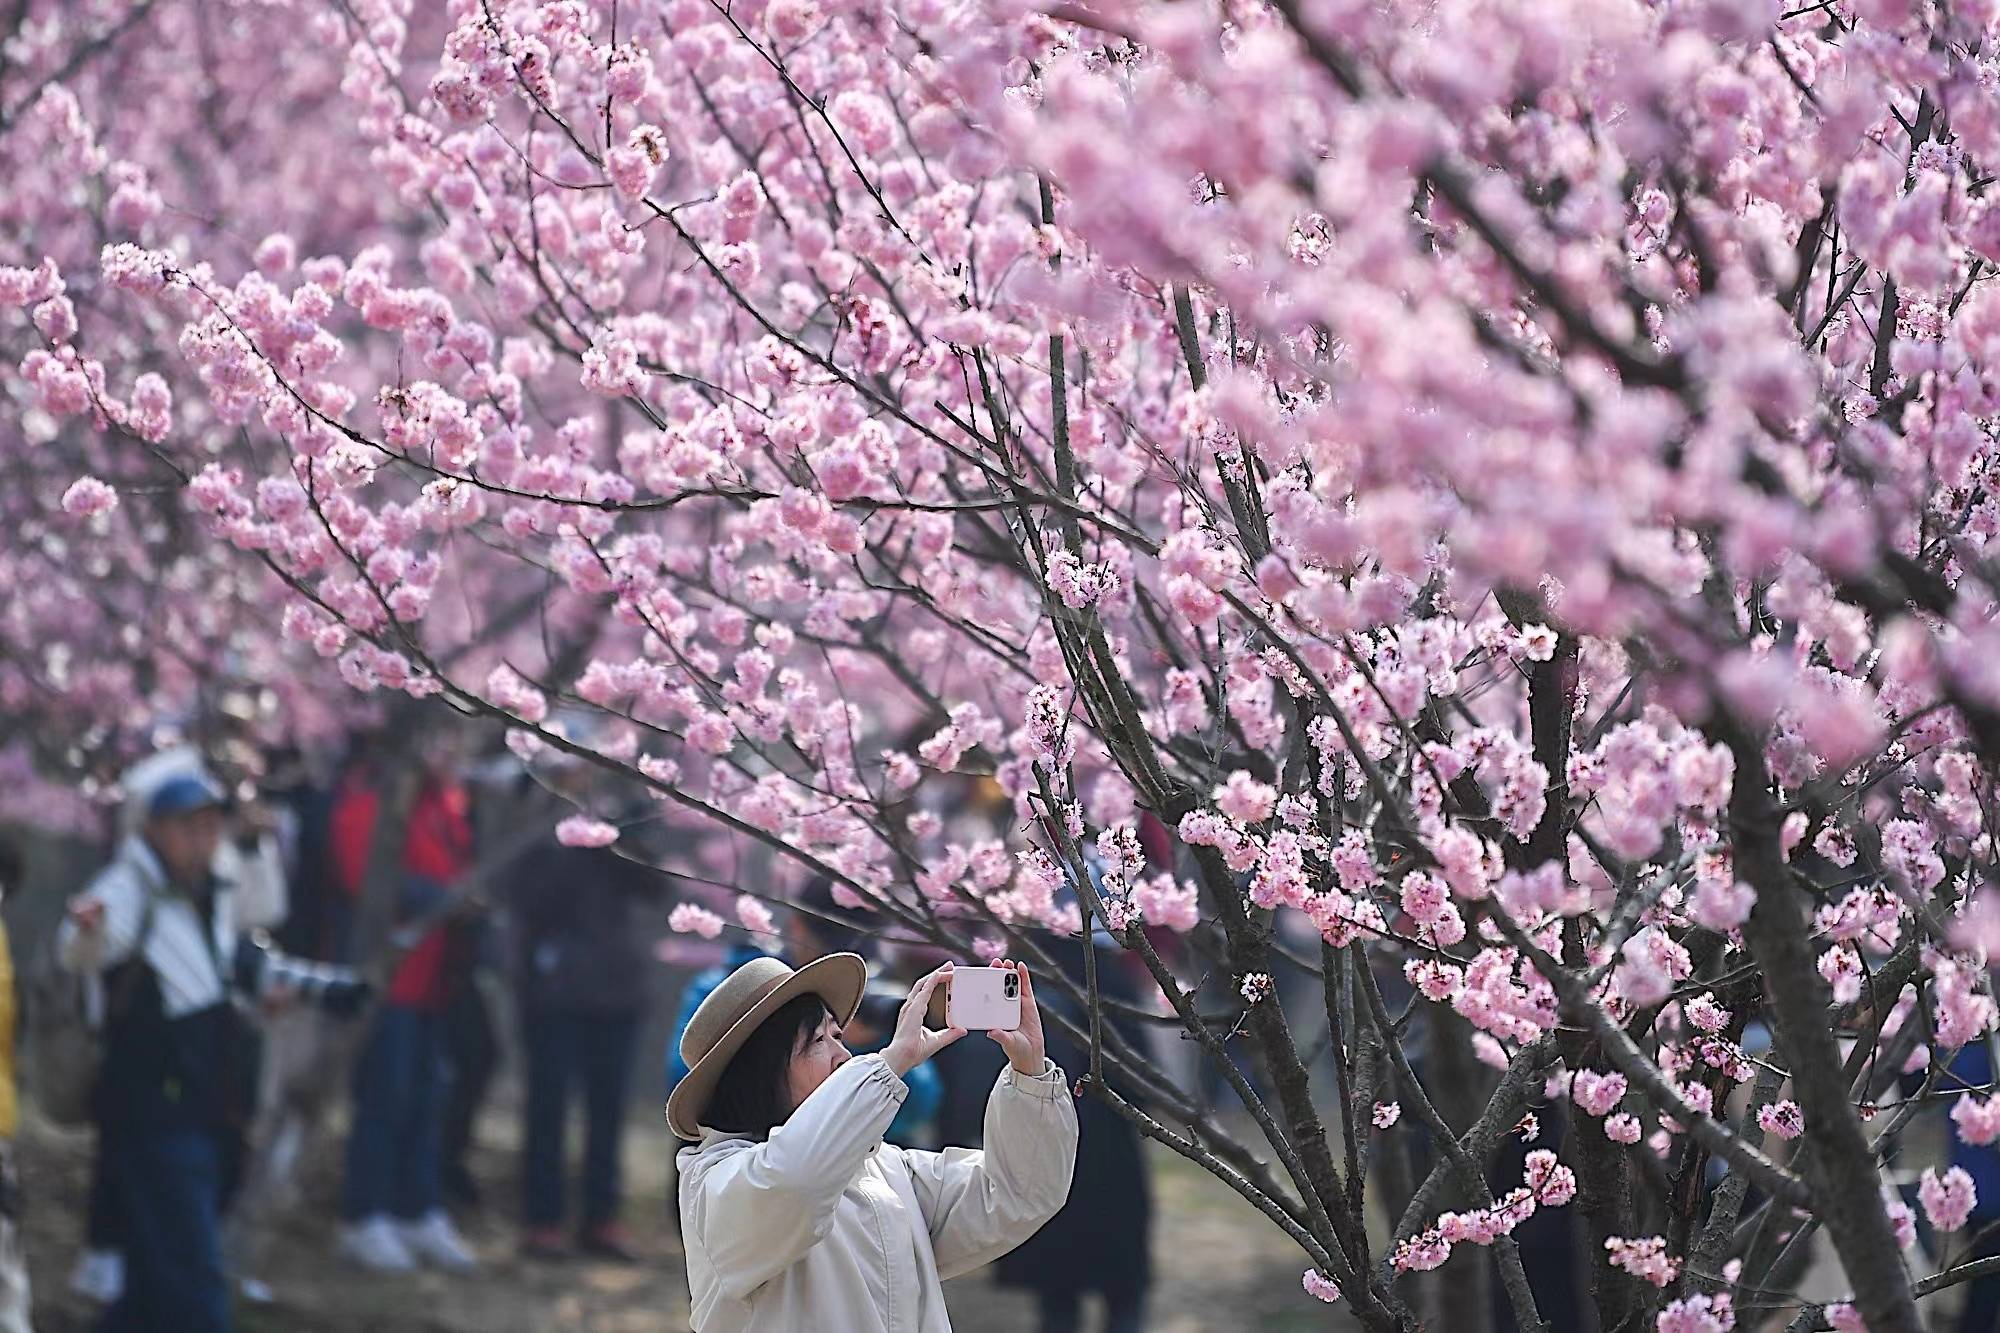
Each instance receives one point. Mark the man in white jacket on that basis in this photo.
(178, 1084)
(251, 863)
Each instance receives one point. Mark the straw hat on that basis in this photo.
(733, 1010)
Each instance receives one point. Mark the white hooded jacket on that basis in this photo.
(825, 1226)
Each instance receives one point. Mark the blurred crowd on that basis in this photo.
(269, 940)
(255, 935)
(254, 953)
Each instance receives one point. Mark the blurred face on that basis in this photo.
(817, 1056)
(186, 843)
(801, 942)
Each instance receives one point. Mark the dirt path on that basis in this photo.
(1219, 1266)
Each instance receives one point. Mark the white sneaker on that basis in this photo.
(374, 1242)
(99, 1276)
(434, 1240)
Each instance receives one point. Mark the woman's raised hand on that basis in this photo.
(914, 1043)
(1026, 1049)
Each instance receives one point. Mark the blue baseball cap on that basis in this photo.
(183, 794)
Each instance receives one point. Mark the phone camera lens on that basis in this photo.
(1011, 986)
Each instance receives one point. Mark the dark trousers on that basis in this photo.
(471, 1054)
(1062, 1312)
(392, 1149)
(168, 1184)
(565, 1050)
(104, 1229)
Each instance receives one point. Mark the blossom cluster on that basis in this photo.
(1488, 493)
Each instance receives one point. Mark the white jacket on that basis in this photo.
(824, 1226)
(192, 970)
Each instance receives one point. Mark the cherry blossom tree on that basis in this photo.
(1505, 481)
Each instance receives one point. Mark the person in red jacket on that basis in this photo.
(392, 1200)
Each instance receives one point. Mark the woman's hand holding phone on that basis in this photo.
(1026, 1049)
(914, 1043)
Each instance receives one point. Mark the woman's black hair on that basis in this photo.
(752, 1095)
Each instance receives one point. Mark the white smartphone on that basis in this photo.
(981, 998)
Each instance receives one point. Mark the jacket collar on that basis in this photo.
(139, 854)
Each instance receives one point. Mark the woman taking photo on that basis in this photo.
(796, 1215)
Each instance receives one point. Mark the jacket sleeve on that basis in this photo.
(760, 1209)
(979, 1204)
(124, 899)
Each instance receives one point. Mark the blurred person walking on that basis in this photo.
(581, 965)
(392, 1200)
(1099, 1244)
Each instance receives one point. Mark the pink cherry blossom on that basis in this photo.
(1551, 1183)
(1902, 1222)
(1645, 1258)
(754, 916)
(1949, 1199)
(1977, 1119)
(1722, 907)
(87, 497)
(1782, 1119)
(583, 831)
(1706, 1014)
(1504, 493)
(1319, 1287)
(1697, 1314)
(686, 918)
(1597, 1093)
(1244, 799)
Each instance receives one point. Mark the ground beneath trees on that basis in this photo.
(1219, 1265)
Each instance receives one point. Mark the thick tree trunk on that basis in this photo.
(1461, 1089)
(1846, 1188)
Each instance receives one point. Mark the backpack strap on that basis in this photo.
(118, 991)
(149, 902)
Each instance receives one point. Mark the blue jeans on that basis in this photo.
(565, 1049)
(392, 1148)
(169, 1194)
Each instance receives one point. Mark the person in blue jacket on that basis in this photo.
(819, 926)
(697, 990)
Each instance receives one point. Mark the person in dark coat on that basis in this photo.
(581, 967)
(1100, 1241)
(1973, 1067)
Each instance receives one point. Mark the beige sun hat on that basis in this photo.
(734, 1009)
